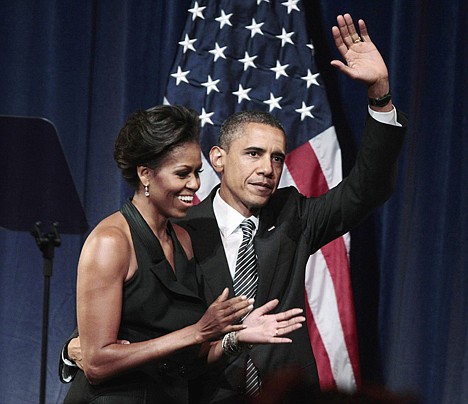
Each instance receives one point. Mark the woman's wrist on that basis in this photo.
(232, 346)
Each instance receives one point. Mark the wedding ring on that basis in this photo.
(357, 39)
(276, 332)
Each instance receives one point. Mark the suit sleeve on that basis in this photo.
(369, 184)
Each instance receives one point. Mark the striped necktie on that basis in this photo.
(245, 283)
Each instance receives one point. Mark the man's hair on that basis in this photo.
(232, 128)
(149, 135)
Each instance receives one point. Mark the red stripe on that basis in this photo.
(305, 169)
(336, 257)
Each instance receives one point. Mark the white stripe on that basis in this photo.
(328, 153)
(286, 178)
(323, 303)
(208, 178)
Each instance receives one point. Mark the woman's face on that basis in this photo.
(174, 183)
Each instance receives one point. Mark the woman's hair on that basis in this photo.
(149, 135)
(233, 127)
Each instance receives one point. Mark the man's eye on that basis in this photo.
(278, 159)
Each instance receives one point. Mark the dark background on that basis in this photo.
(85, 65)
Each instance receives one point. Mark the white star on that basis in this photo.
(242, 94)
(218, 52)
(285, 37)
(280, 70)
(188, 43)
(197, 11)
(310, 46)
(205, 117)
(180, 75)
(291, 5)
(255, 28)
(248, 61)
(273, 102)
(311, 78)
(223, 19)
(210, 85)
(305, 111)
(259, 1)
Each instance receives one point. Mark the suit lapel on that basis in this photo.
(267, 245)
(159, 265)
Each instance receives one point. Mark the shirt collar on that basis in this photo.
(227, 217)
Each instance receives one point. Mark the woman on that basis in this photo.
(137, 281)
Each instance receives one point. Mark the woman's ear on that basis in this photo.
(217, 155)
(144, 174)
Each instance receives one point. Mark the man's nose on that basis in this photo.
(266, 166)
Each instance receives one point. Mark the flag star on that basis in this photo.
(210, 85)
(305, 111)
(291, 5)
(285, 37)
(205, 117)
(260, 1)
(197, 11)
(218, 52)
(242, 93)
(310, 46)
(248, 61)
(311, 78)
(280, 70)
(255, 28)
(223, 19)
(273, 102)
(188, 43)
(180, 75)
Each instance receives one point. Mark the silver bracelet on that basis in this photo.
(231, 346)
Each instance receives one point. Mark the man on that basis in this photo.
(288, 226)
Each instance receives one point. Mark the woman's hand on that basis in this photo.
(263, 328)
(221, 317)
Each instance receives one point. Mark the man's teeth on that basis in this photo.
(186, 198)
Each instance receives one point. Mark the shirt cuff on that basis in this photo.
(389, 118)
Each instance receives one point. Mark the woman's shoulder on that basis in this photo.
(111, 232)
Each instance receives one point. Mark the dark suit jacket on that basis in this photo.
(291, 228)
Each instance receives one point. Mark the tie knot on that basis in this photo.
(247, 226)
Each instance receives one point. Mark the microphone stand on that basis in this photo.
(46, 243)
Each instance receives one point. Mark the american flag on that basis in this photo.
(237, 55)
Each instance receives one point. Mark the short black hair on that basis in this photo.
(149, 135)
(232, 127)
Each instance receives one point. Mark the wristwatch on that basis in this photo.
(381, 101)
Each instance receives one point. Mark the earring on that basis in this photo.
(146, 191)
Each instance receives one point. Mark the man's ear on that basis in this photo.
(217, 155)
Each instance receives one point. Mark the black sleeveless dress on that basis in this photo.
(156, 301)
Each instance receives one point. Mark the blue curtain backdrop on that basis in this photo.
(86, 65)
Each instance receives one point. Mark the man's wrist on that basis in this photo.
(380, 102)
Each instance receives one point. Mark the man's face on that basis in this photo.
(251, 169)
